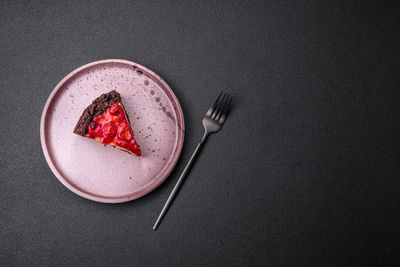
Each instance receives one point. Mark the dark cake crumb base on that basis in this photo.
(98, 106)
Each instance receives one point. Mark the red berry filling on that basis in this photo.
(112, 127)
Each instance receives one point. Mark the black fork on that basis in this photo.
(213, 122)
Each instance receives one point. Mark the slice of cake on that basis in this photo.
(106, 121)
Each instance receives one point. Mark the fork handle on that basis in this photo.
(180, 181)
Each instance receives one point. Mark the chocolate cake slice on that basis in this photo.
(106, 121)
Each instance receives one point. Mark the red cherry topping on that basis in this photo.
(128, 135)
(114, 109)
(117, 120)
(98, 131)
(121, 143)
(105, 140)
(109, 129)
(112, 127)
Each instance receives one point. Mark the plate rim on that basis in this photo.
(164, 175)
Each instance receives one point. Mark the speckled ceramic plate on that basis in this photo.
(103, 173)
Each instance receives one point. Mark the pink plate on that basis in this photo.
(103, 173)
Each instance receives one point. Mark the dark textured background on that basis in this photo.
(304, 173)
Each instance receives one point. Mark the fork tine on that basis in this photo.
(226, 111)
(223, 107)
(212, 108)
(218, 108)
